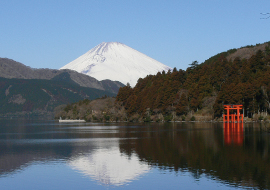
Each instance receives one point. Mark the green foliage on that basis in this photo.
(147, 119)
(94, 118)
(107, 118)
(67, 108)
(267, 50)
(192, 118)
(168, 118)
(194, 65)
(183, 118)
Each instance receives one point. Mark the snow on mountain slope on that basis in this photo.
(116, 61)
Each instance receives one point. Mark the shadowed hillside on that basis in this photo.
(12, 69)
(37, 96)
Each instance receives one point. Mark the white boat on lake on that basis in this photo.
(71, 120)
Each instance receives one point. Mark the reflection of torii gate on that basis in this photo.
(233, 117)
(233, 133)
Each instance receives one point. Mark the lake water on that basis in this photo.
(49, 155)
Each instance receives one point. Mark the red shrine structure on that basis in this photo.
(233, 124)
(232, 114)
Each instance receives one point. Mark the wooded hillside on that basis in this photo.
(38, 96)
(232, 77)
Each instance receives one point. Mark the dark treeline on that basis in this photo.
(204, 87)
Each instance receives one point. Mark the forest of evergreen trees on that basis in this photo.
(203, 87)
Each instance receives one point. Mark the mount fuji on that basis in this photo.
(116, 61)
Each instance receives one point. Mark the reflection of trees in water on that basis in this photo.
(194, 147)
(14, 157)
(202, 151)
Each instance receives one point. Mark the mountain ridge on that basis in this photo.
(25, 91)
(13, 69)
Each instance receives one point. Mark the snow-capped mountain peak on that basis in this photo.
(116, 61)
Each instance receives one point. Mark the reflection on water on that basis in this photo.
(233, 133)
(109, 167)
(107, 155)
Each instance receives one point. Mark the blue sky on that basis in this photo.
(52, 33)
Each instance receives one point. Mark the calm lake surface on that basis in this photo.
(49, 155)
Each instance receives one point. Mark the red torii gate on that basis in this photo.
(233, 117)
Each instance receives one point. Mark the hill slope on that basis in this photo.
(12, 69)
(204, 88)
(38, 95)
